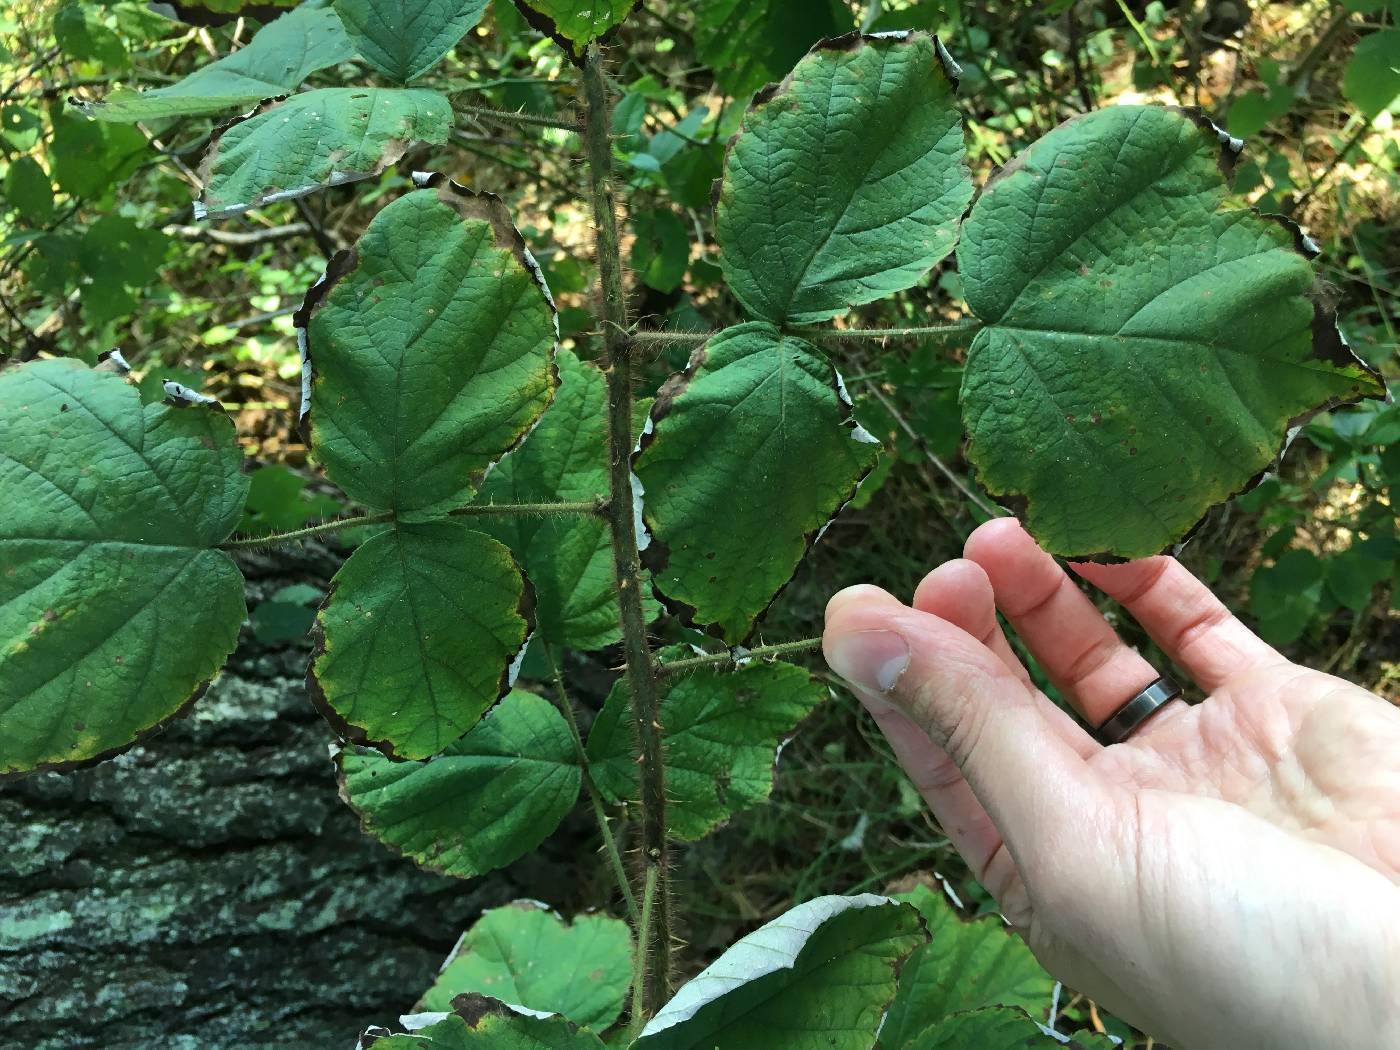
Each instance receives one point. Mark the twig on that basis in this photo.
(325, 243)
(595, 798)
(827, 335)
(732, 656)
(238, 238)
(506, 116)
(474, 510)
(1340, 156)
(932, 457)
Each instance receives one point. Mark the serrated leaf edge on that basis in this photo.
(1329, 343)
(655, 555)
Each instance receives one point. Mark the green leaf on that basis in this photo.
(574, 24)
(1254, 110)
(965, 965)
(489, 798)
(821, 974)
(846, 182)
(79, 31)
(122, 248)
(568, 558)
(478, 1021)
(731, 519)
(430, 348)
(87, 158)
(115, 610)
(1283, 597)
(527, 955)
(403, 39)
(723, 732)
(996, 1028)
(281, 621)
(661, 249)
(28, 190)
(282, 54)
(1372, 77)
(316, 139)
(1352, 574)
(750, 42)
(278, 502)
(418, 637)
(1146, 347)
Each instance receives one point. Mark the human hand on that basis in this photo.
(1229, 876)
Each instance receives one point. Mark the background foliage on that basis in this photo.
(98, 248)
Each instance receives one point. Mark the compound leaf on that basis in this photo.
(430, 349)
(1146, 348)
(489, 798)
(315, 139)
(846, 182)
(418, 637)
(731, 519)
(568, 558)
(965, 966)
(527, 955)
(996, 1028)
(115, 608)
(820, 975)
(282, 54)
(479, 1021)
(574, 24)
(723, 732)
(403, 39)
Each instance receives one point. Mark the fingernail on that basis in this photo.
(871, 660)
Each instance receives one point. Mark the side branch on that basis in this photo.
(654, 977)
(474, 510)
(507, 116)
(732, 657)
(953, 330)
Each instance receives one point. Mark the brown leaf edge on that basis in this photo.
(546, 25)
(472, 1008)
(206, 208)
(722, 783)
(119, 368)
(370, 828)
(1329, 343)
(351, 733)
(470, 205)
(657, 555)
(520, 904)
(952, 73)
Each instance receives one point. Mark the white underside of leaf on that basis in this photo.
(772, 947)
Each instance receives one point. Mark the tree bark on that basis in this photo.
(208, 888)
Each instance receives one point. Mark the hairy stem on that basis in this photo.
(849, 335)
(277, 539)
(595, 798)
(508, 116)
(951, 330)
(654, 976)
(474, 510)
(639, 1010)
(731, 657)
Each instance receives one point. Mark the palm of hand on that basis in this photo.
(1214, 859)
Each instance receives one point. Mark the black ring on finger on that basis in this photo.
(1123, 722)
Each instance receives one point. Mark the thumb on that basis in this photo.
(1020, 766)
